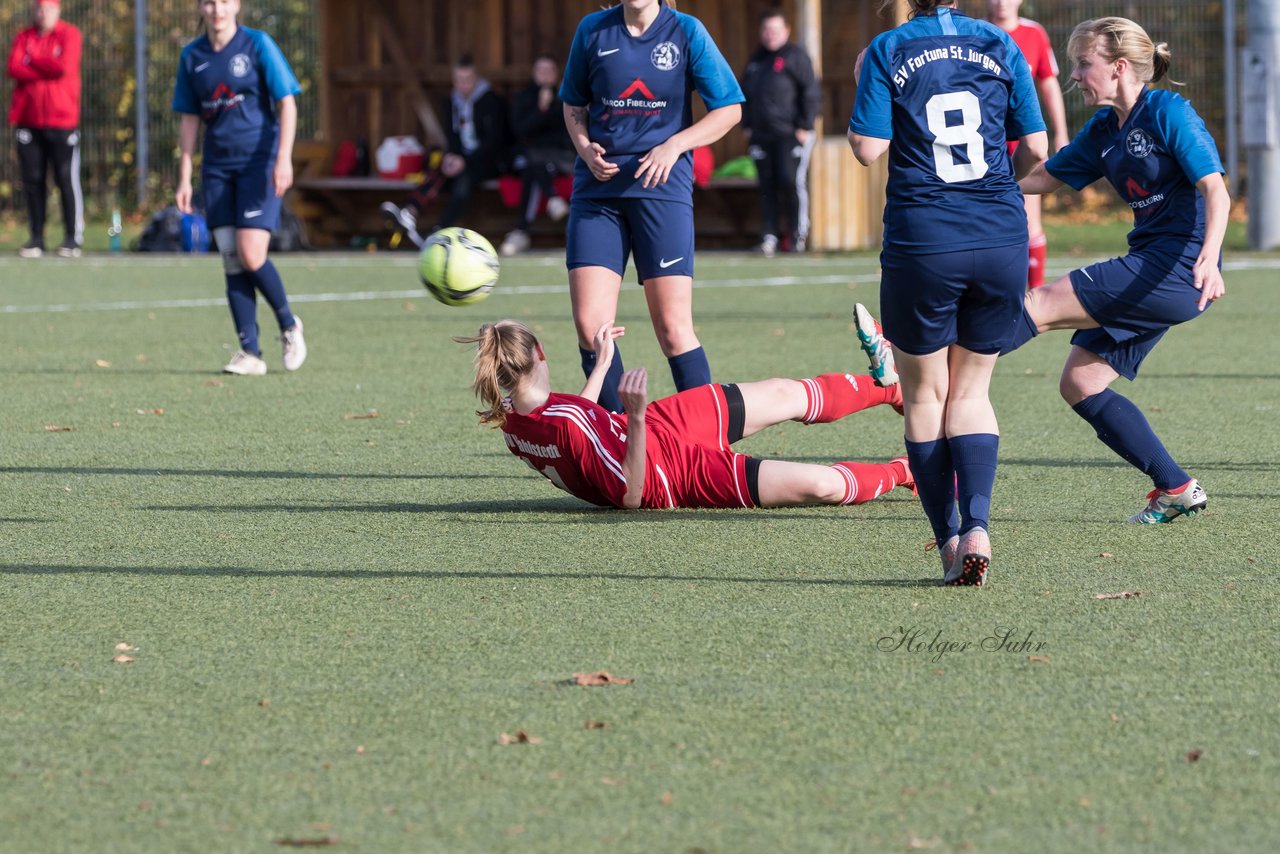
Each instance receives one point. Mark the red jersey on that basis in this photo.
(579, 445)
(1034, 43)
(47, 71)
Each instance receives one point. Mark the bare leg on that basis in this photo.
(786, 484)
(771, 402)
(968, 402)
(1055, 306)
(1084, 375)
(593, 292)
(926, 383)
(670, 300)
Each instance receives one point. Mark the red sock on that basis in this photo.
(867, 481)
(833, 396)
(1035, 261)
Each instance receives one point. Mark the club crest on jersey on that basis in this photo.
(1139, 143)
(665, 57)
(240, 65)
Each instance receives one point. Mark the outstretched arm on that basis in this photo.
(632, 389)
(1217, 207)
(602, 344)
(1038, 181)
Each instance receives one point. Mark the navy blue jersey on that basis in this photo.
(234, 91)
(950, 91)
(1154, 162)
(639, 93)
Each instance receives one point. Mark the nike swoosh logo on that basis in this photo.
(664, 264)
(1107, 150)
(201, 67)
(252, 214)
(607, 52)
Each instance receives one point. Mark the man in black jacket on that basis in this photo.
(475, 120)
(783, 99)
(544, 150)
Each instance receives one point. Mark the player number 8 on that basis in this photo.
(966, 133)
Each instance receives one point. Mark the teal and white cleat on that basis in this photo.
(1166, 506)
(879, 351)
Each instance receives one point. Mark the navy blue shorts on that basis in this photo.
(604, 233)
(971, 297)
(1136, 299)
(244, 198)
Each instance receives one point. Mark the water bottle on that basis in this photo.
(114, 232)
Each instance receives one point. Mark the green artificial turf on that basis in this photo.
(335, 618)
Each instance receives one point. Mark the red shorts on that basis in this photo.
(691, 450)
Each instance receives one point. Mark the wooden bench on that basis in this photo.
(338, 211)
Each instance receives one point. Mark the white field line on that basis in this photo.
(518, 290)
(363, 296)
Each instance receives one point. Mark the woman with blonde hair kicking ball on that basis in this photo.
(1154, 149)
(673, 452)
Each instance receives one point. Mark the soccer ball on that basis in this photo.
(458, 266)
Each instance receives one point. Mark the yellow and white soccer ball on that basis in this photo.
(458, 266)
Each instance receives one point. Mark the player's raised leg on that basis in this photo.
(1121, 426)
(816, 400)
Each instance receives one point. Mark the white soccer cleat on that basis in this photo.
(30, 249)
(1166, 506)
(876, 346)
(769, 245)
(245, 365)
(295, 346)
(515, 242)
(972, 560)
(948, 554)
(557, 208)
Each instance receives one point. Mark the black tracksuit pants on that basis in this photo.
(41, 150)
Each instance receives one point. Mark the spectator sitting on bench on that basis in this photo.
(476, 122)
(543, 152)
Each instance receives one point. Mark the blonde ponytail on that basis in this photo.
(1120, 38)
(504, 356)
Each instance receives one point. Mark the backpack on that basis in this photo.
(162, 234)
(290, 235)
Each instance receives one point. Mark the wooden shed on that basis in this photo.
(386, 68)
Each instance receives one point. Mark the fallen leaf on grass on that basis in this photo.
(1040, 659)
(667, 800)
(1127, 594)
(594, 724)
(1105, 554)
(156, 411)
(600, 677)
(56, 428)
(125, 647)
(519, 737)
(102, 363)
(122, 659)
(360, 751)
(264, 703)
(307, 841)
(1194, 754)
(141, 357)
(611, 781)
(365, 416)
(915, 843)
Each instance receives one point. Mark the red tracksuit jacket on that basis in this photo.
(47, 71)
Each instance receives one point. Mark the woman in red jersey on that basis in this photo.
(673, 452)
